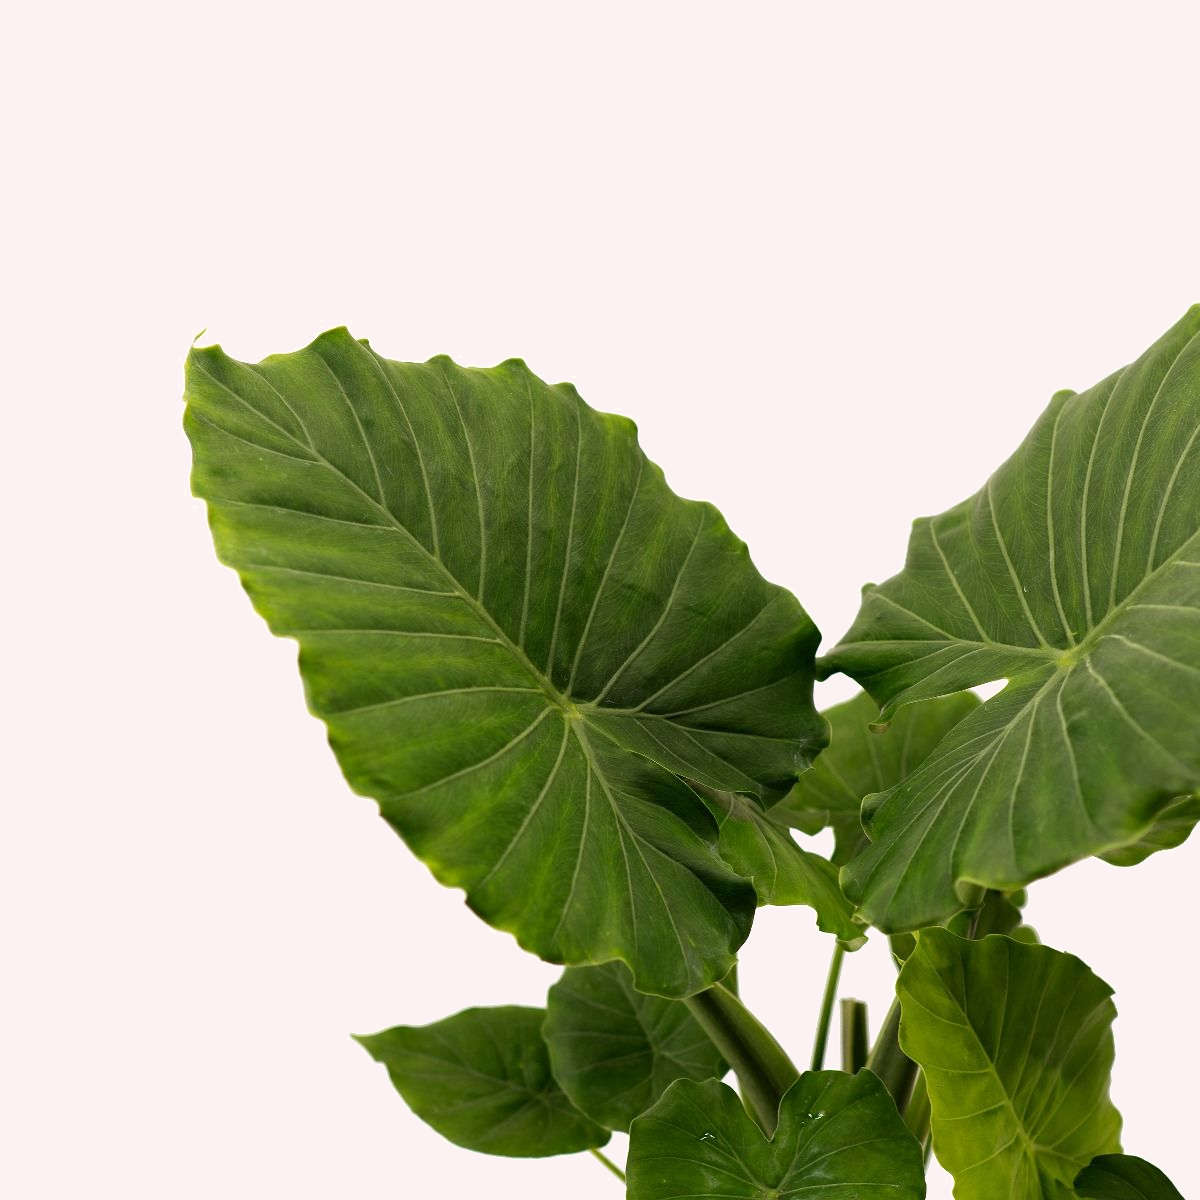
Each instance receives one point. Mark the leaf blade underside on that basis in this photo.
(1075, 575)
(518, 638)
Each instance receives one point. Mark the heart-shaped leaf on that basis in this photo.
(760, 847)
(1016, 1045)
(1124, 1177)
(1075, 575)
(862, 758)
(838, 1135)
(482, 1079)
(518, 636)
(614, 1050)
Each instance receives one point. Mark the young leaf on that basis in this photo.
(860, 760)
(1124, 1177)
(760, 848)
(482, 1079)
(1172, 827)
(614, 1050)
(518, 636)
(838, 1135)
(1016, 1045)
(1075, 575)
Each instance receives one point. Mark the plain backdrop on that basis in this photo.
(834, 259)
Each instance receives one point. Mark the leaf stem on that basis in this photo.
(763, 1068)
(918, 1113)
(608, 1162)
(856, 1036)
(831, 986)
(897, 1071)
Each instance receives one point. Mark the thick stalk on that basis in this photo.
(856, 1036)
(917, 1115)
(831, 986)
(897, 1071)
(763, 1068)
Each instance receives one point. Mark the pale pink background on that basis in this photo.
(833, 259)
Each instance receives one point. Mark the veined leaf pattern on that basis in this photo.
(519, 638)
(1015, 1041)
(1075, 575)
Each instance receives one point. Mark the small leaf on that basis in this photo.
(1172, 827)
(519, 638)
(1016, 1045)
(862, 759)
(1124, 1177)
(838, 1136)
(759, 846)
(614, 1050)
(482, 1079)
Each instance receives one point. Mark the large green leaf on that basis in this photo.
(1124, 1177)
(1016, 1045)
(482, 1079)
(1075, 575)
(759, 846)
(614, 1050)
(518, 636)
(861, 758)
(838, 1136)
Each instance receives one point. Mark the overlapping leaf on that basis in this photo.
(615, 1050)
(518, 636)
(1075, 575)
(760, 847)
(1124, 1177)
(861, 759)
(482, 1079)
(838, 1135)
(1015, 1042)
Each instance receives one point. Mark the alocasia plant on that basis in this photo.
(575, 698)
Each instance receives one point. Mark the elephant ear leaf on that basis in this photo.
(482, 1079)
(1015, 1041)
(615, 1050)
(1124, 1177)
(861, 759)
(1074, 574)
(520, 639)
